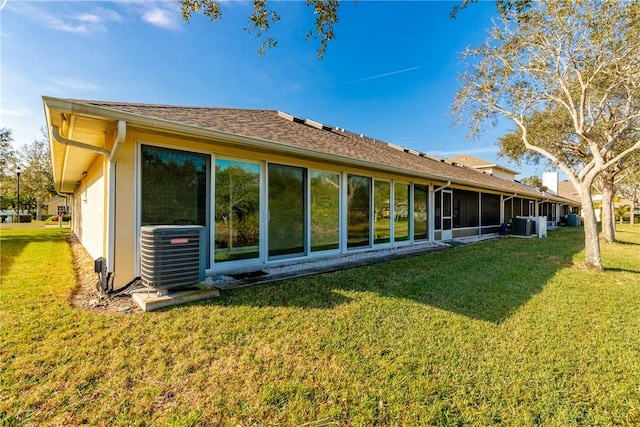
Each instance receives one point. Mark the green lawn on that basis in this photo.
(510, 331)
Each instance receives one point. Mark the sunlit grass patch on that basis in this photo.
(508, 331)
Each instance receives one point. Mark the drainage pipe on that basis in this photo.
(121, 134)
(112, 158)
(55, 133)
(443, 187)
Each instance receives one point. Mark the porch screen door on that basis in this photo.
(447, 214)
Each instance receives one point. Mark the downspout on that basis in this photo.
(112, 157)
(121, 134)
(55, 133)
(432, 215)
(443, 187)
(510, 197)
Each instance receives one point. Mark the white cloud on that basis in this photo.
(73, 17)
(162, 18)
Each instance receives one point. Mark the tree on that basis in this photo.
(9, 162)
(606, 183)
(37, 177)
(7, 153)
(629, 187)
(532, 181)
(577, 57)
(262, 17)
(553, 130)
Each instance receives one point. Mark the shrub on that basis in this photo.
(23, 218)
(53, 219)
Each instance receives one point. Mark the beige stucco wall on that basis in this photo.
(88, 209)
(502, 174)
(52, 208)
(126, 263)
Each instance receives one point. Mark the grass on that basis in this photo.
(510, 332)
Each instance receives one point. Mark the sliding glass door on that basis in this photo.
(325, 211)
(421, 212)
(358, 211)
(237, 210)
(381, 211)
(287, 211)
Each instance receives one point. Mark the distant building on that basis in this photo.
(484, 166)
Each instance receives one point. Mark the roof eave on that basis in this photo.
(75, 107)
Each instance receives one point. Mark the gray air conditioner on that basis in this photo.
(172, 256)
(523, 226)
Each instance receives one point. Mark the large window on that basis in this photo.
(286, 210)
(381, 211)
(490, 209)
(465, 208)
(237, 210)
(420, 211)
(358, 211)
(325, 211)
(400, 211)
(174, 187)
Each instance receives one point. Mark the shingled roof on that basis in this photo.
(284, 130)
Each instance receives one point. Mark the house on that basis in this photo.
(10, 215)
(484, 166)
(557, 200)
(269, 188)
(58, 205)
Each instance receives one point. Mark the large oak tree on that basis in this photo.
(578, 57)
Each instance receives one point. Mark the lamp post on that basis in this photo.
(18, 173)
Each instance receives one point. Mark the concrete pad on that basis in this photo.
(149, 300)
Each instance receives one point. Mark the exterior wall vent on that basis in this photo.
(172, 256)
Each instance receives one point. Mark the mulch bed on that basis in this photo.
(86, 295)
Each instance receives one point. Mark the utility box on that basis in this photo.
(573, 220)
(172, 256)
(522, 226)
(541, 226)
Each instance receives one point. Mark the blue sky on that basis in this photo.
(390, 74)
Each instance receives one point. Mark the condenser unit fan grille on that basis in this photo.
(171, 256)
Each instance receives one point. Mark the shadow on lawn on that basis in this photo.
(14, 242)
(487, 281)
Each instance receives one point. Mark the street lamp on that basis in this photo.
(18, 173)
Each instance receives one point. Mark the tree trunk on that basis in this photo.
(608, 217)
(631, 216)
(592, 258)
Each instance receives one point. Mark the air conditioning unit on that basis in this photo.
(523, 226)
(172, 256)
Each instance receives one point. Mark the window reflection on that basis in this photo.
(420, 211)
(400, 212)
(237, 210)
(174, 187)
(358, 211)
(325, 211)
(382, 212)
(286, 210)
